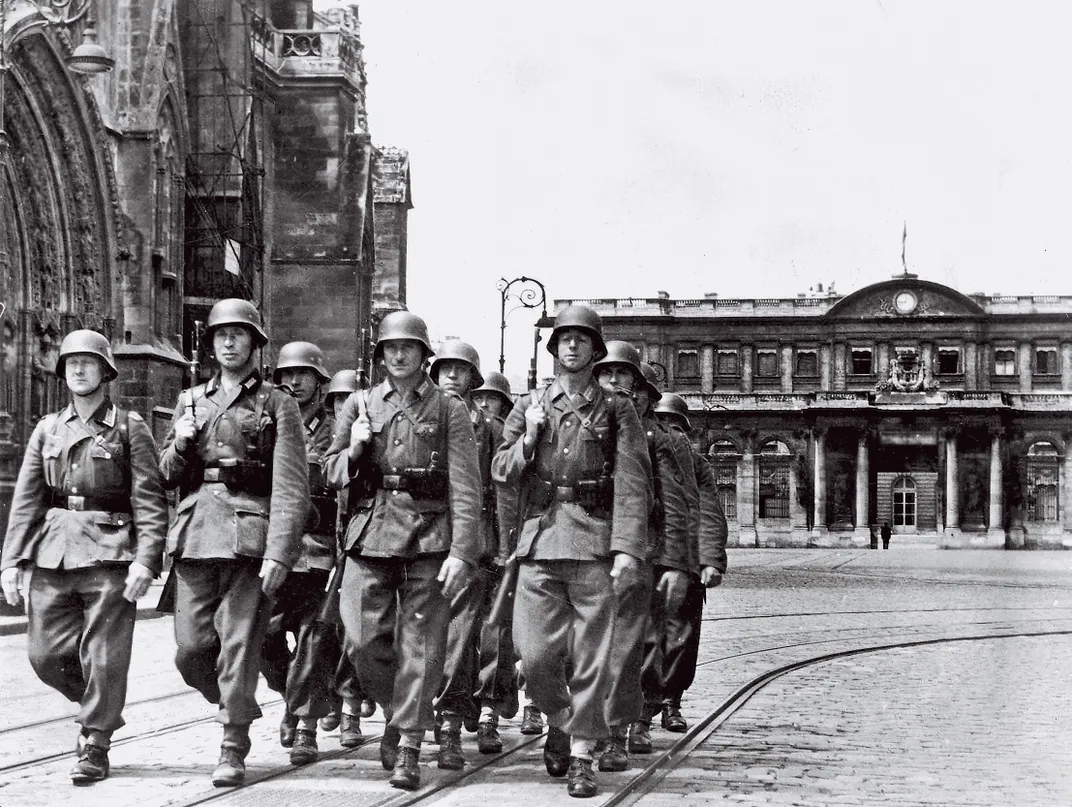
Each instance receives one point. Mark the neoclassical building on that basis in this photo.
(947, 415)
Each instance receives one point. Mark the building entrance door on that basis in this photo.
(904, 505)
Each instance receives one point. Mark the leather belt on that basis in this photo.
(107, 504)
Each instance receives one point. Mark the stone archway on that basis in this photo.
(57, 231)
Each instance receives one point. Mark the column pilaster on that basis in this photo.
(819, 532)
(995, 531)
(861, 534)
(952, 489)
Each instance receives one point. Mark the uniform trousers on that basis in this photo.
(564, 610)
(467, 610)
(305, 676)
(80, 635)
(396, 621)
(682, 645)
(221, 618)
(347, 687)
(625, 696)
(497, 675)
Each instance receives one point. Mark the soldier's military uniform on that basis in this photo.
(305, 675)
(707, 550)
(87, 503)
(584, 495)
(414, 500)
(244, 486)
(666, 549)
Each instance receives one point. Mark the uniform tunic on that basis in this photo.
(221, 534)
(306, 675)
(565, 605)
(396, 543)
(87, 503)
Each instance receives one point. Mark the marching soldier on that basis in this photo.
(664, 571)
(406, 453)
(236, 450)
(579, 457)
(89, 518)
(497, 679)
(708, 564)
(350, 703)
(305, 676)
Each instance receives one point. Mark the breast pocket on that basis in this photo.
(108, 461)
(596, 448)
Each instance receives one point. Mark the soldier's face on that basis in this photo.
(454, 376)
(337, 403)
(232, 346)
(489, 402)
(575, 349)
(303, 383)
(403, 358)
(613, 377)
(84, 374)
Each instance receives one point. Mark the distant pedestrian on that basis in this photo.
(886, 533)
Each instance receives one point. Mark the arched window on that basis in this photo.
(774, 447)
(722, 447)
(904, 502)
(774, 469)
(1043, 473)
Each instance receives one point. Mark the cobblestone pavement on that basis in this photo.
(970, 722)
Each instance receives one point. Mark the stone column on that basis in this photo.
(952, 491)
(1023, 362)
(747, 358)
(826, 370)
(1065, 487)
(819, 532)
(746, 492)
(707, 368)
(971, 366)
(787, 368)
(861, 534)
(1066, 366)
(995, 533)
(798, 514)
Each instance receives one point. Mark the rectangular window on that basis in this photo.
(807, 363)
(949, 361)
(688, 363)
(727, 363)
(767, 364)
(1046, 361)
(861, 361)
(1004, 361)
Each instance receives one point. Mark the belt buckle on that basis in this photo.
(565, 493)
(212, 475)
(76, 502)
(392, 482)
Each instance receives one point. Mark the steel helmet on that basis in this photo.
(651, 381)
(673, 404)
(620, 352)
(295, 355)
(402, 325)
(234, 311)
(342, 383)
(457, 350)
(582, 318)
(496, 382)
(89, 343)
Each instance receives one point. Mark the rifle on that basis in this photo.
(503, 604)
(166, 604)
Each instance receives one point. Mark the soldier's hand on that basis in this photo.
(361, 431)
(624, 572)
(138, 580)
(272, 575)
(710, 577)
(185, 431)
(453, 575)
(672, 588)
(11, 581)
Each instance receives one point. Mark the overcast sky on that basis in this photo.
(748, 148)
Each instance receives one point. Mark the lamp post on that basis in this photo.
(530, 293)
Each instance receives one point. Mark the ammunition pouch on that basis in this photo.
(245, 476)
(323, 514)
(594, 495)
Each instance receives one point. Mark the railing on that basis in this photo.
(334, 50)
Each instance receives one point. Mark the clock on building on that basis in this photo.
(905, 302)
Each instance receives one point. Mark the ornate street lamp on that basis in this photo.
(530, 293)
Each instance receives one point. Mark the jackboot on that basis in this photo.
(407, 770)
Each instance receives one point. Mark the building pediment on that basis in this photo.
(904, 297)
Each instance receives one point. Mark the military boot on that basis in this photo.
(389, 747)
(407, 770)
(487, 737)
(450, 757)
(531, 721)
(231, 769)
(556, 748)
(304, 751)
(640, 737)
(350, 735)
(287, 726)
(582, 781)
(614, 757)
(92, 765)
(672, 719)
